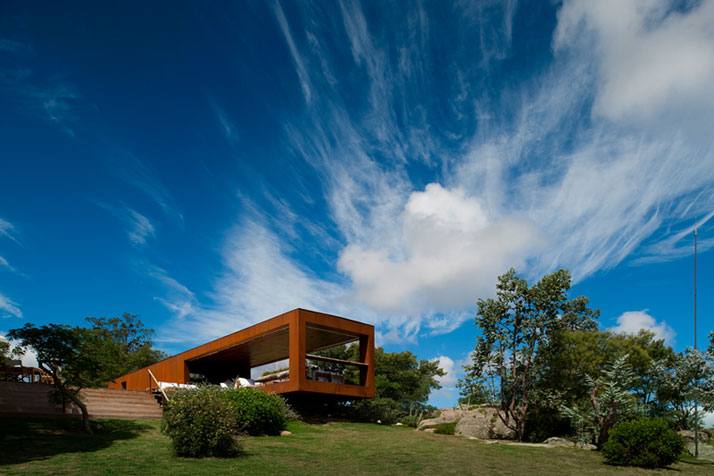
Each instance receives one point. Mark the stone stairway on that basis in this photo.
(31, 400)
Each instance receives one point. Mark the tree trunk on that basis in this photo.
(59, 385)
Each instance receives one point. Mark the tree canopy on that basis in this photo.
(79, 357)
(519, 328)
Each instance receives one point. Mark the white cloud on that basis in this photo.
(450, 253)
(139, 227)
(297, 57)
(651, 57)
(633, 321)
(583, 165)
(142, 176)
(448, 394)
(54, 101)
(8, 230)
(8, 307)
(227, 126)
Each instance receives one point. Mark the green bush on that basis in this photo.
(200, 423)
(385, 410)
(644, 442)
(257, 413)
(411, 420)
(445, 428)
(288, 410)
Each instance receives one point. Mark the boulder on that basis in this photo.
(446, 415)
(706, 450)
(481, 422)
(559, 442)
(563, 443)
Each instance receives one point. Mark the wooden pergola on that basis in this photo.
(295, 335)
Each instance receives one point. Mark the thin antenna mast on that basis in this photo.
(696, 399)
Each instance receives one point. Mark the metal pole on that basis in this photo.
(696, 400)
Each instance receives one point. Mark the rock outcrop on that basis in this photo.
(481, 422)
(706, 450)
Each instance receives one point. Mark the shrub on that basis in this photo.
(385, 410)
(445, 428)
(644, 442)
(411, 420)
(288, 410)
(200, 423)
(257, 413)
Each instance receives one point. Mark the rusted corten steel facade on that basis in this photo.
(288, 336)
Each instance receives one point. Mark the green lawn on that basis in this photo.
(47, 446)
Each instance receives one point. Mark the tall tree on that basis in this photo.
(125, 343)
(66, 354)
(515, 325)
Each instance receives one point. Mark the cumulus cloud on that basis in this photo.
(448, 394)
(632, 322)
(450, 251)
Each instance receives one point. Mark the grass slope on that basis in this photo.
(57, 447)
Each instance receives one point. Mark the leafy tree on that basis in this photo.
(401, 377)
(689, 378)
(402, 386)
(473, 392)
(125, 344)
(4, 352)
(610, 399)
(515, 326)
(66, 353)
(588, 352)
(398, 376)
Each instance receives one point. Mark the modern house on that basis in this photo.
(296, 336)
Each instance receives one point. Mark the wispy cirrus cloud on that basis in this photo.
(53, 99)
(141, 175)
(8, 230)
(300, 69)
(8, 307)
(228, 127)
(10, 46)
(139, 227)
(570, 165)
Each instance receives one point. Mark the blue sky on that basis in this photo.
(208, 165)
